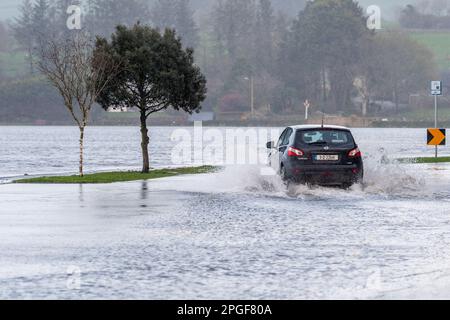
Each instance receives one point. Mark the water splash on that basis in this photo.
(384, 176)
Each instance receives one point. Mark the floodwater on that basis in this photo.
(233, 234)
(54, 150)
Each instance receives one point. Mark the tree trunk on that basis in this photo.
(81, 150)
(30, 60)
(365, 105)
(395, 94)
(324, 87)
(144, 143)
(365, 94)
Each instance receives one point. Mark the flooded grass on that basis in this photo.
(111, 177)
(425, 160)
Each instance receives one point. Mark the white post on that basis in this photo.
(436, 120)
(307, 105)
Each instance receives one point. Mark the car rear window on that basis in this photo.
(328, 137)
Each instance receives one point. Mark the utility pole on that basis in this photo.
(252, 95)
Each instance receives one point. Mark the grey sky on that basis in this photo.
(8, 8)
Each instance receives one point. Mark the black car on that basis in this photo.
(323, 155)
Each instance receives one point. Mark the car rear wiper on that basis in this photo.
(317, 143)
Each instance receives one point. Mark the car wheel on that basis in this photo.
(283, 174)
(346, 186)
(359, 179)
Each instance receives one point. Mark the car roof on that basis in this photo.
(318, 126)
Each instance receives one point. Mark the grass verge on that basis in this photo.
(425, 160)
(111, 177)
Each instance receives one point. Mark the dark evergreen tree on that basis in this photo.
(234, 22)
(104, 15)
(157, 74)
(42, 22)
(323, 50)
(264, 32)
(178, 15)
(23, 30)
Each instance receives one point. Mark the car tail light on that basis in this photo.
(292, 152)
(355, 153)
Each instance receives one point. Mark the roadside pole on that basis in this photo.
(436, 90)
(252, 95)
(436, 121)
(307, 105)
(251, 81)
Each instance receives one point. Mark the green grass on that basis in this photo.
(111, 177)
(438, 42)
(425, 160)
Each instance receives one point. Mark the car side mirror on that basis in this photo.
(270, 145)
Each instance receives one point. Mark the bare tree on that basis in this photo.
(79, 73)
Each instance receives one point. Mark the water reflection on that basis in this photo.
(81, 195)
(144, 193)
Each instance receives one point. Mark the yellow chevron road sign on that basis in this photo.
(436, 137)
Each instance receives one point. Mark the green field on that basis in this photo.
(438, 43)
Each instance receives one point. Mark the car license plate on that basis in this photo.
(327, 157)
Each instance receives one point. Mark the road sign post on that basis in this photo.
(436, 90)
(435, 121)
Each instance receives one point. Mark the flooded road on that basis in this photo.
(233, 234)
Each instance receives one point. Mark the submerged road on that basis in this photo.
(229, 235)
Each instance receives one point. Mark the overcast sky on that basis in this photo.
(8, 8)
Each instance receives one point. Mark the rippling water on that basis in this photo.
(233, 234)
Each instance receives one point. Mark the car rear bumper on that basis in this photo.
(327, 174)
